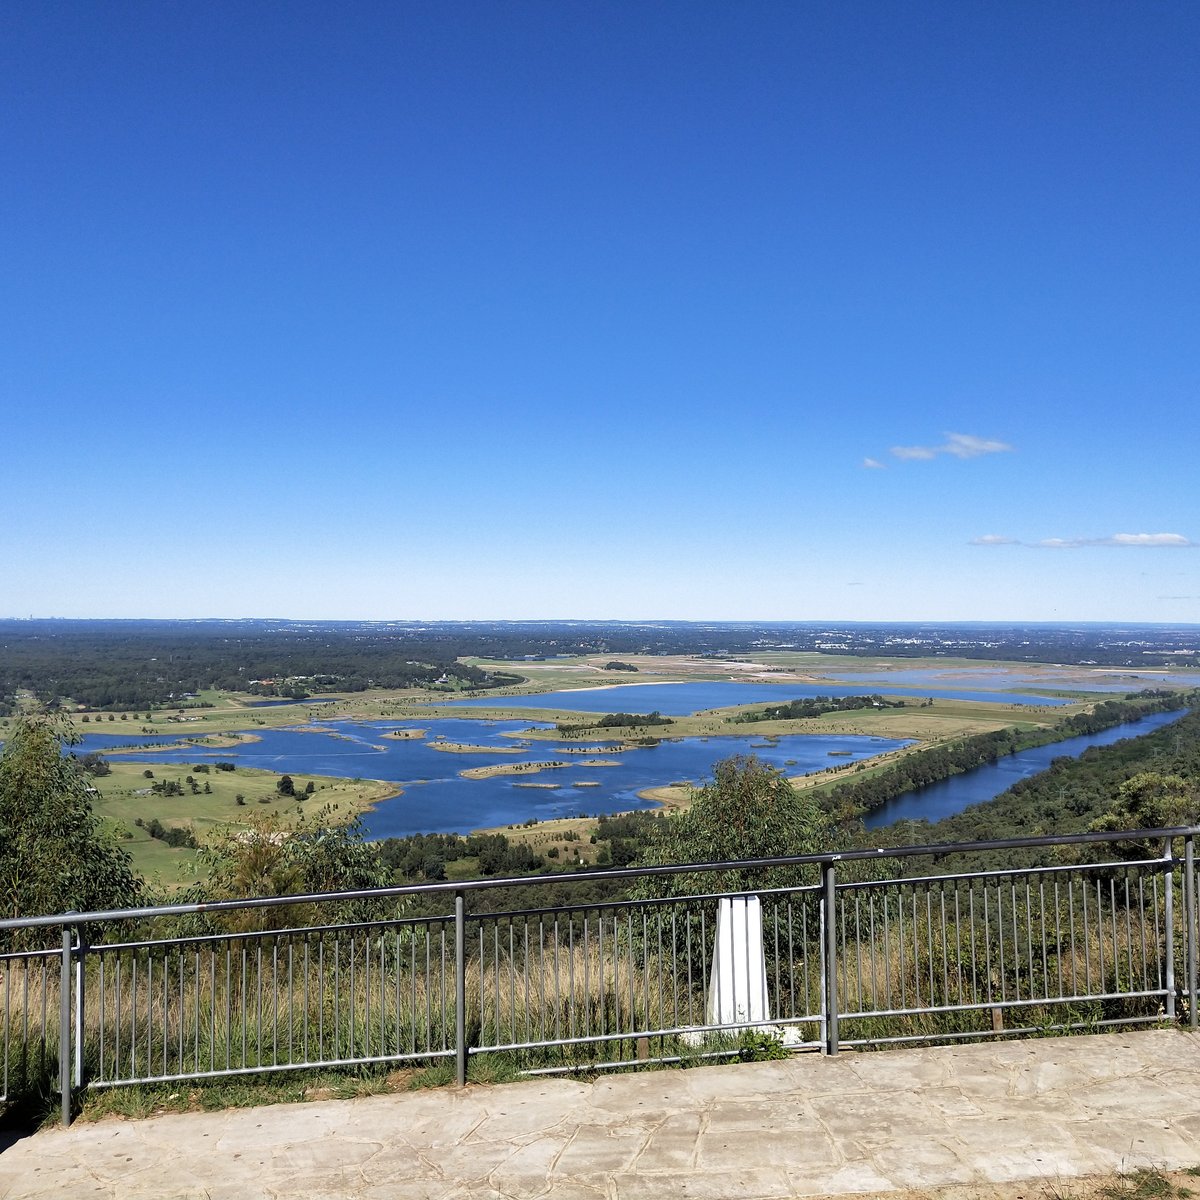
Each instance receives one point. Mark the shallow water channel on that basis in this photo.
(437, 800)
(592, 778)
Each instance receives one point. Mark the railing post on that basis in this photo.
(1170, 923)
(1189, 898)
(65, 1025)
(460, 987)
(829, 955)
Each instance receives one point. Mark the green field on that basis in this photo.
(126, 796)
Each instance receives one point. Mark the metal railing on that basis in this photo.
(853, 953)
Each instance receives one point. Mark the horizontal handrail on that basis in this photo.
(937, 849)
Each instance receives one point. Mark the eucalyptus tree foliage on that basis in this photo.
(1149, 800)
(748, 810)
(275, 855)
(54, 854)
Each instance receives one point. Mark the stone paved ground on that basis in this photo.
(962, 1117)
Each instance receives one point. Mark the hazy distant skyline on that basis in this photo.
(678, 311)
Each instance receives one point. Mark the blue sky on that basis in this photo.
(679, 310)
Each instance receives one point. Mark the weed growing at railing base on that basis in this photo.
(139, 1101)
(1148, 1183)
(756, 1046)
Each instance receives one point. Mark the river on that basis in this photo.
(950, 796)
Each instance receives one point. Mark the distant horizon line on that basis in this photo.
(780, 622)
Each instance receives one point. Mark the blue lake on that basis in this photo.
(437, 800)
(682, 699)
(950, 796)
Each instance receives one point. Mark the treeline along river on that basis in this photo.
(934, 801)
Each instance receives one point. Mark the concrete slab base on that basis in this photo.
(1043, 1110)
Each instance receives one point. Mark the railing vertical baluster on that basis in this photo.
(1142, 932)
(971, 930)
(292, 997)
(212, 1004)
(64, 1026)
(645, 1021)
(541, 974)
(512, 984)
(658, 914)
(929, 942)
(80, 957)
(275, 999)
(133, 1013)
(1058, 938)
(1189, 899)
(557, 983)
(366, 1022)
(887, 951)
(99, 1021)
(460, 988)
(1071, 927)
(1087, 936)
(195, 1009)
(1042, 923)
(687, 949)
(858, 966)
(228, 1004)
(829, 965)
(1000, 942)
(258, 982)
(1030, 987)
(525, 971)
(445, 1042)
(1128, 924)
(412, 986)
(958, 935)
(1169, 886)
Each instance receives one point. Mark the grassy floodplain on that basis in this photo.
(126, 795)
(123, 796)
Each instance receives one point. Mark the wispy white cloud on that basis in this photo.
(963, 445)
(1121, 540)
(1147, 539)
(957, 445)
(1174, 540)
(873, 464)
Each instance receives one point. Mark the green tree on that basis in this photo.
(277, 855)
(54, 854)
(1151, 800)
(749, 810)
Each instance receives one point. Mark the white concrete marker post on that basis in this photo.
(737, 988)
(737, 993)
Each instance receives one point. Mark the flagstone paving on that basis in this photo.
(1041, 1110)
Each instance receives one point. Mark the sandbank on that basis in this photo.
(468, 748)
